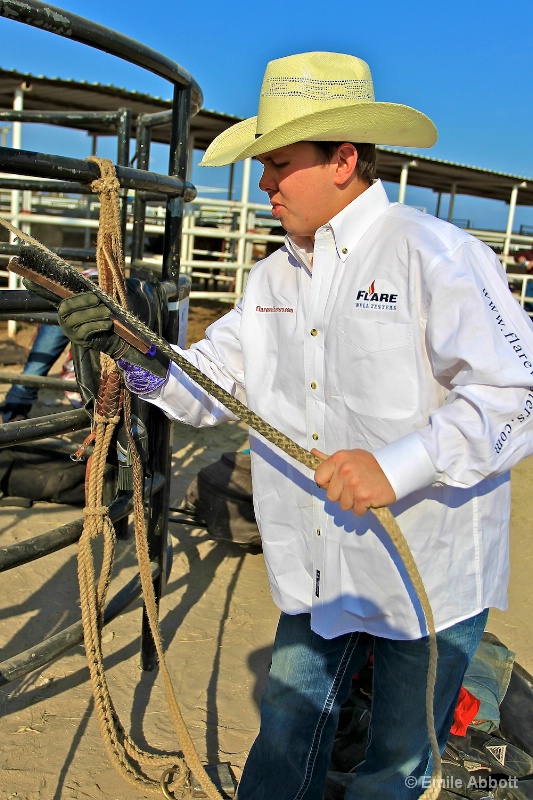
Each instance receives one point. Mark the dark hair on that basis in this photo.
(366, 157)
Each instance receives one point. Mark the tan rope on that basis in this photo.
(97, 523)
(109, 253)
(110, 261)
(189, 751)
(306, 458)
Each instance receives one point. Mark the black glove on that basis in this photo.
(35, 288)
(88, 322)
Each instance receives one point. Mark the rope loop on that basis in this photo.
(180, 777)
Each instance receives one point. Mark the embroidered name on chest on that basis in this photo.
(274, 309)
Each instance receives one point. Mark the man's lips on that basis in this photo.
(277, 209)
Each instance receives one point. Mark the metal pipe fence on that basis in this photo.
(226, 266)
(38, 173)
(221, 240)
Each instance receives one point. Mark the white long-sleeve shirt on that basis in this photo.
(402, 338)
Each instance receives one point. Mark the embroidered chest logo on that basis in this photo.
(274, 309)
(379, 296)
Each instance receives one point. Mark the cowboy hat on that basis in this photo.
(319, 97)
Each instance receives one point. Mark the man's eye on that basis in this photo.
(280, 164)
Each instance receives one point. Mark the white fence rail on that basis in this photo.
(240, 232)
(221, 239)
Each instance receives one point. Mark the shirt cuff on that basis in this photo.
(407, 465)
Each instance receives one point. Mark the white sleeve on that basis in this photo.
(219, 357)
(479, 344)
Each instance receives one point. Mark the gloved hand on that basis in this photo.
(88, 322)
(41, 292)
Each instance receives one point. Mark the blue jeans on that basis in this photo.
(310, 678)
(47, 346)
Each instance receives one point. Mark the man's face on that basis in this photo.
(301, 189)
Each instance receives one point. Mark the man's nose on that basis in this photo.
(267, 182)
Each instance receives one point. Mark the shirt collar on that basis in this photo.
(302, 248)
(348, 226)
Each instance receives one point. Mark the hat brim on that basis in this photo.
(371, 122)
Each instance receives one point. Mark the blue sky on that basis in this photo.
(466, 64)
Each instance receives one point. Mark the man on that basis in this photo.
(47, 346)
(388, 340)
(49, 343)
(524, 258)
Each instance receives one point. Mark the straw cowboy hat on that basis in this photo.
(319, 97)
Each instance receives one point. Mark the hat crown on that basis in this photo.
(309, 82)
(314, 97)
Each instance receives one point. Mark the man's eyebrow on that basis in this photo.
(271, 155)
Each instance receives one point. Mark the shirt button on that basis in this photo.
(314, 332)
(344, 250)
(318, 531)
(315, 436)
(313, 385)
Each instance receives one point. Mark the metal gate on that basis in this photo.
(56, 173)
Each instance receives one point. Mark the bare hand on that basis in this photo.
(354, 479)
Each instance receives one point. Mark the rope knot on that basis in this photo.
(99, 419)
(96, 511)
(108, 182)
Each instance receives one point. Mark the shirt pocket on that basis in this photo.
(378, 366)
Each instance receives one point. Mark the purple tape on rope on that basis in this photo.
(139, 380)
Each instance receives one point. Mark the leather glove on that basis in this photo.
(88, 322)
(35, 288)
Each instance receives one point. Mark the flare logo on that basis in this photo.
(379, 295)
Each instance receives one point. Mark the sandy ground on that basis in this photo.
(218, 623)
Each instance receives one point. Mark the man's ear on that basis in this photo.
(346, 160)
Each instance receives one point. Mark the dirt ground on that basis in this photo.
(217, 620)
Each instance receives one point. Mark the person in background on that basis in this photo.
(524, 258)
(389, 341)
(46, 348)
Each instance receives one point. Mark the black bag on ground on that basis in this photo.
(222, 500)
(37, 473)
(476, 766)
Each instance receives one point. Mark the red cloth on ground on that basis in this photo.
(465, 711)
